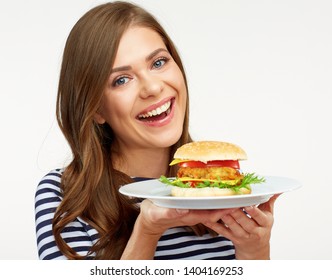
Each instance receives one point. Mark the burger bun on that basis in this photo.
(210, 150)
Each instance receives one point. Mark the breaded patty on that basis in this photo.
(211, 173)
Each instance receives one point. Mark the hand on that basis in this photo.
(250, 231)
(151, 224)
(155, 220)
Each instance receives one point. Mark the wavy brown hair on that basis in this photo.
(90, 183)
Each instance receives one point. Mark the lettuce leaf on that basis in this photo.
(248, 178)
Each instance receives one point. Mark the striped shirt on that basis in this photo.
(175, 243)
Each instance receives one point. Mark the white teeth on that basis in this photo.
(157, 111)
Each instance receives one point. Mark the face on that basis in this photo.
(145, 98)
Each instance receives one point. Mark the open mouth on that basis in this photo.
(158, 113)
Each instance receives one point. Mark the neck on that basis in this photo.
(149, 163)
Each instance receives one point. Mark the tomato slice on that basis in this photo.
(224, 163)
(213, 163)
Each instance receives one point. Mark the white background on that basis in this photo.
(259, 74)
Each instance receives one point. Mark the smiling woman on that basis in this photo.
(123, 107)
(147, 79)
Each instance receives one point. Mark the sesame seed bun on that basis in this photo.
(210, 150)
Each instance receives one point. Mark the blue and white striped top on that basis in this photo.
(175, 243)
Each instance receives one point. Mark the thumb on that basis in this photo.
(269, 205)
(182, 212)
(176, 213)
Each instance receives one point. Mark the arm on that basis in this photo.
(141, 244)
(78, 233)
(149, 227)
(249, 234)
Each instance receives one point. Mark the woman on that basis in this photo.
(123, 108)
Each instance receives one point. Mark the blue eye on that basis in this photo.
(159, 62)
(121, 81)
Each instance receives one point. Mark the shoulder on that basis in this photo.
(53, 177)
(48, 193)
(50, 183)
(78, 234)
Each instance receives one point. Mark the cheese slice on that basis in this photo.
(177, 161)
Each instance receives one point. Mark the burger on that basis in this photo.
(210, 168)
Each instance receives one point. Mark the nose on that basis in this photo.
(151, 85)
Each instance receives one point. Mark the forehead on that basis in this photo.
(136, 44)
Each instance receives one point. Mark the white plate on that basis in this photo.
(159, 194)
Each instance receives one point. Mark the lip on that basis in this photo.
(156, 105)
(163, 121)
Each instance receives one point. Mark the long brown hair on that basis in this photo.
(90, 183)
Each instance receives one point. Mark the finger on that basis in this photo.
(260, 217)
(263, 214)
(269, 205)
(214, 216)
(211, 216)
(246, 222)
(221, 229)
(234, 226)
(174, 214)
(157, 212)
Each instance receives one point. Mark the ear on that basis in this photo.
(99, 118)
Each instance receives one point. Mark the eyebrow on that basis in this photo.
(154, 53)
(149, 57)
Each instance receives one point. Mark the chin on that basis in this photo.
(166, 139)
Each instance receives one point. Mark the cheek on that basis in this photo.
(181, 86)
(177, 80)
(113, 109)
